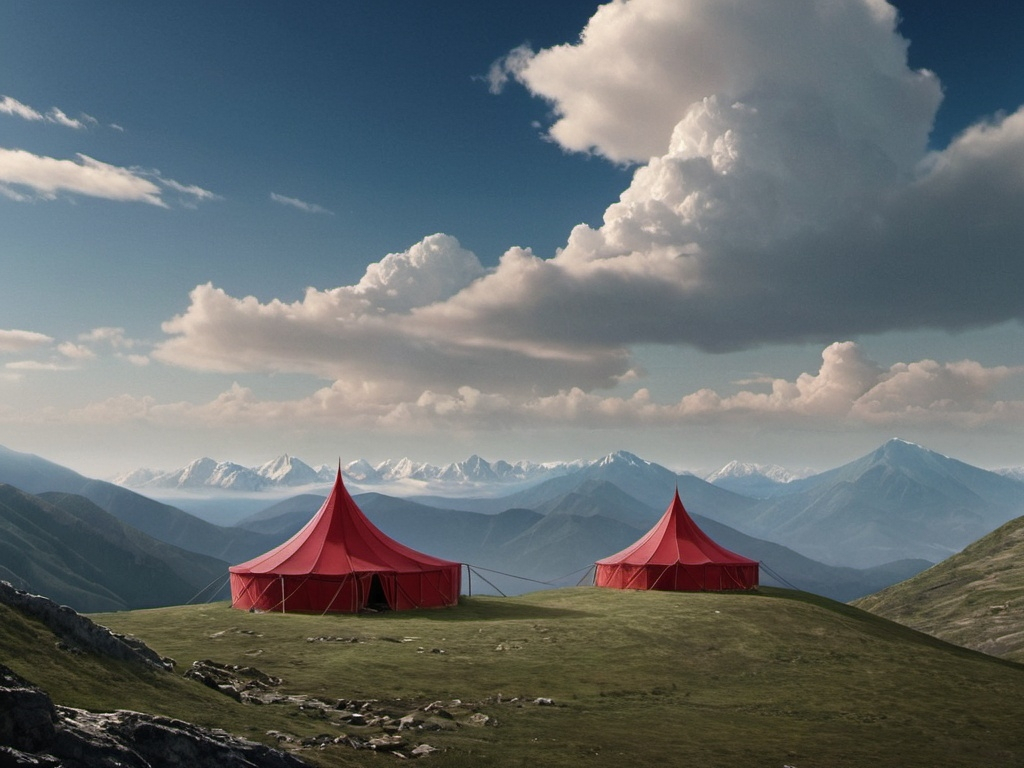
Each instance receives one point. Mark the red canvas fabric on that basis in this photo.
(676, 555)
(337, 561)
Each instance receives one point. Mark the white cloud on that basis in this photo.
(36, 365)
(848, 390)
(11, 106)
(372, 331)
(115, 337)
(507, 68)
(46, 177)
(641, 65)
(75, 351)
(191, 194)
(19, 341)
(787, 196)
(294, 202)
(57, 116)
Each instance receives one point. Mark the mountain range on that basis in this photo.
(287, 471)
(842, 533)
(66, 547)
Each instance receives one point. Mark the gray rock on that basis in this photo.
(79, 632)
(33, 731)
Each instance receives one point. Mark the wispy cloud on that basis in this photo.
(302, 205)
(47, 177)
(57, 116)
(11, 106)
(37, 365)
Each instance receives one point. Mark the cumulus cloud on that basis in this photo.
(302, 205)
(372, 331)
(46, 177)
(848, 389)
(785, 195)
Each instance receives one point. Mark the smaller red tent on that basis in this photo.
(676, 555)
(341, 562)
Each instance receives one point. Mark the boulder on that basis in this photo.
(34, 731)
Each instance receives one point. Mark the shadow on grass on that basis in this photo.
(488, 609)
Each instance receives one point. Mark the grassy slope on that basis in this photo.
(974, 598)
(639, 678)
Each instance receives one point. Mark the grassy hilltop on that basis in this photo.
(972, 598)
(641, 678)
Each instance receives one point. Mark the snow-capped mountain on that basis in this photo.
(1014, 473)
(206, 473)
(755, 480)
(737, 469)
(288, 471)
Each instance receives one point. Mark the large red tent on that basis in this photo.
(341, 562)
(676, 555)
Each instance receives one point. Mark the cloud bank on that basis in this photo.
(783, 192)
(848, 390)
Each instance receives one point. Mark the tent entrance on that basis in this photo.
(376, 600)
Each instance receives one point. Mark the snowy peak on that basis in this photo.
(736, 470)
(758, 481)
(285, 470)
(622, 458)
(360, 470)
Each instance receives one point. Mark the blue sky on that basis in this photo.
(375, 230)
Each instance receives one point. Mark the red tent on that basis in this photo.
(676, 555)
(341, 562)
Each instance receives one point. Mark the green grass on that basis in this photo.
(974, 598)
(638, 678)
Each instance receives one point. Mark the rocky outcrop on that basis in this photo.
(35, 732)
(246, 684)
(79, 633)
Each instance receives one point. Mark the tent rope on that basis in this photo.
(586, 572)
(220, 581)
(489, 581)
(776, 576)
(284, 598)
(338, 592)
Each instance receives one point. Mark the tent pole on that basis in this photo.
(469, 579)
(282, 595)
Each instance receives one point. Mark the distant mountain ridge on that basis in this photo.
(899, 501)
(756, 480)
(288, 471)
(80, 555)
(892, 511)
